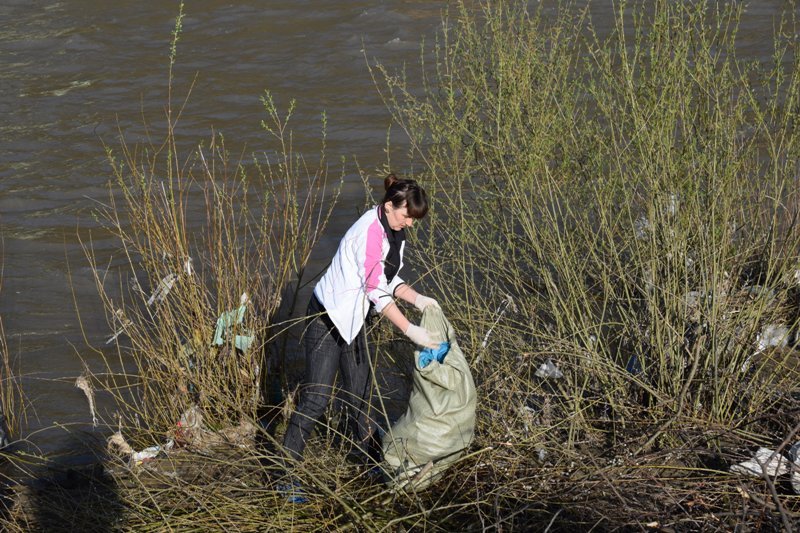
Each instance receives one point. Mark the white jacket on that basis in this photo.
(356, 276)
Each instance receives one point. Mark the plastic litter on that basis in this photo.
(673, 204)
(83, 383)
(160, 293)
(634, 366)
(759, 291)
(163, 288)
(117, 442)
(293, 491)
(124, 322)
(542, 454)
(548, 369)
(228, 320)
(773, 335)
(641, 227)
(191, 431)
(773, 464)
(167, 282)
(765, 460)
(694, 298)
(794, 456)
(505, 305)
(150, 452)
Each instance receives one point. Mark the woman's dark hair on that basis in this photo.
(408, 192)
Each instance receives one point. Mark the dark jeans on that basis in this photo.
(327, 353)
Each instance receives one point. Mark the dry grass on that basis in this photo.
(624, 207)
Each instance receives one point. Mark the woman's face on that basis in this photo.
(397, 217)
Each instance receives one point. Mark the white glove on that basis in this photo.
(421, 302)
(422, 336)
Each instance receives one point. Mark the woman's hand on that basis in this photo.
(422, 336)
(421, 302)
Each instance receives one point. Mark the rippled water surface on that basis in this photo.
(73, 72)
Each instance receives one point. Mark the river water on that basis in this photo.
(74, 73)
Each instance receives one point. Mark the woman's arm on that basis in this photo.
(396, 316)
(417, 334)
(406, 293)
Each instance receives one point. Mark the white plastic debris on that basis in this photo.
(764, 461)
(124, 322)
(773, 335)
(507, 303)
(641, 227)
(776, 335)
(163, 288)
(548, 369)
(167, 282)
(673, 204)
(117, 442)
(83, 383)
(794, 456)
(694, 298)
(192, 418)
(759, 291)
(148, 453)
(138, 458)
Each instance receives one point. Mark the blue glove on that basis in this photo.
(427, 355)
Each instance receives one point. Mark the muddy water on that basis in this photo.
(73, 72)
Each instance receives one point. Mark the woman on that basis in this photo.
(362, 274)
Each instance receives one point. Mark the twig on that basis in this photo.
(681, 398)
(552, 520)
(771, 485)
(787, 525)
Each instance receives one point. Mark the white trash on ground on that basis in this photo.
(771, 463)
(117, 442)
(766, 461)
(548, 369)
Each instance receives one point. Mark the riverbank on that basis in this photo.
(613, 236)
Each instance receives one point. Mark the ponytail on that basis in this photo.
(406, 192)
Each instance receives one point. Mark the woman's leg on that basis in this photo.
(357, 384)
(322, 361)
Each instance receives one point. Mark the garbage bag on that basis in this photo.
(439, 423)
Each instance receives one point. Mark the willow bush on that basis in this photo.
(634, 195)
(209, 244)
